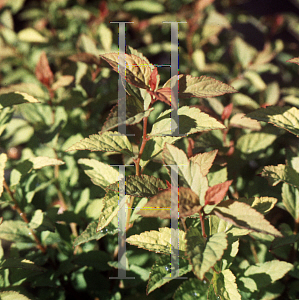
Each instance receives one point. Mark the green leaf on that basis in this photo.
(284, 117)
(3, 159)
(243, 52)
(43, 161)
(159, 274)
(158, 241)
(263, 274)
(12, 295)
(191, 289)
(276, 174)
(137, 70)
(260, 204)
(20, 263)
(15, 231)
(110, 209)
(189, 170)
(91, 233)
(244, 100)
(41, 222)
(254, 143)
(155, 146)
(239, 120)
(224, 286)
(106, 141)
(31, 35)
(256, 80)
(200, 87)
(100, 173)
(141, 186)
(96, 259)
(204, 255)
(134, 112)
(14, 98)
(290, 199)
(205, 160)
(159, 205)
(242, 215)
(150, 7)
(191, 120)
(5, 116)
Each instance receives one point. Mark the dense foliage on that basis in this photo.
(238, 157)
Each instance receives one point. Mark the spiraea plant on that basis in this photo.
(61, 152)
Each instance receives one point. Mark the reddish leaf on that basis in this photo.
(153, 79)
(163, 94)
(227, 112)
(217, 192)
(43, 72)
(104, 11)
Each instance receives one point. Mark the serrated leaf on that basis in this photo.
(3, 159)
(191, 120)
(141, 186)
(276, 174)
(205, 160)
(43, 161)
(290, 199)
(216, 193)
(284, 117)
(134, 113)
(224, 286)
(263, 274)
(158, 241)
(190, 289)
(159, 205)
(100, 173)
(110, 209)
(12, 295)
(260, 204)
(110, 141)
(242, 215)
(159, 274)
(91, 233)
(189, 170)
(155, 146)
(14, 98)
(200, 87)
(239, 120)
(204, 254)
(137, 70)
